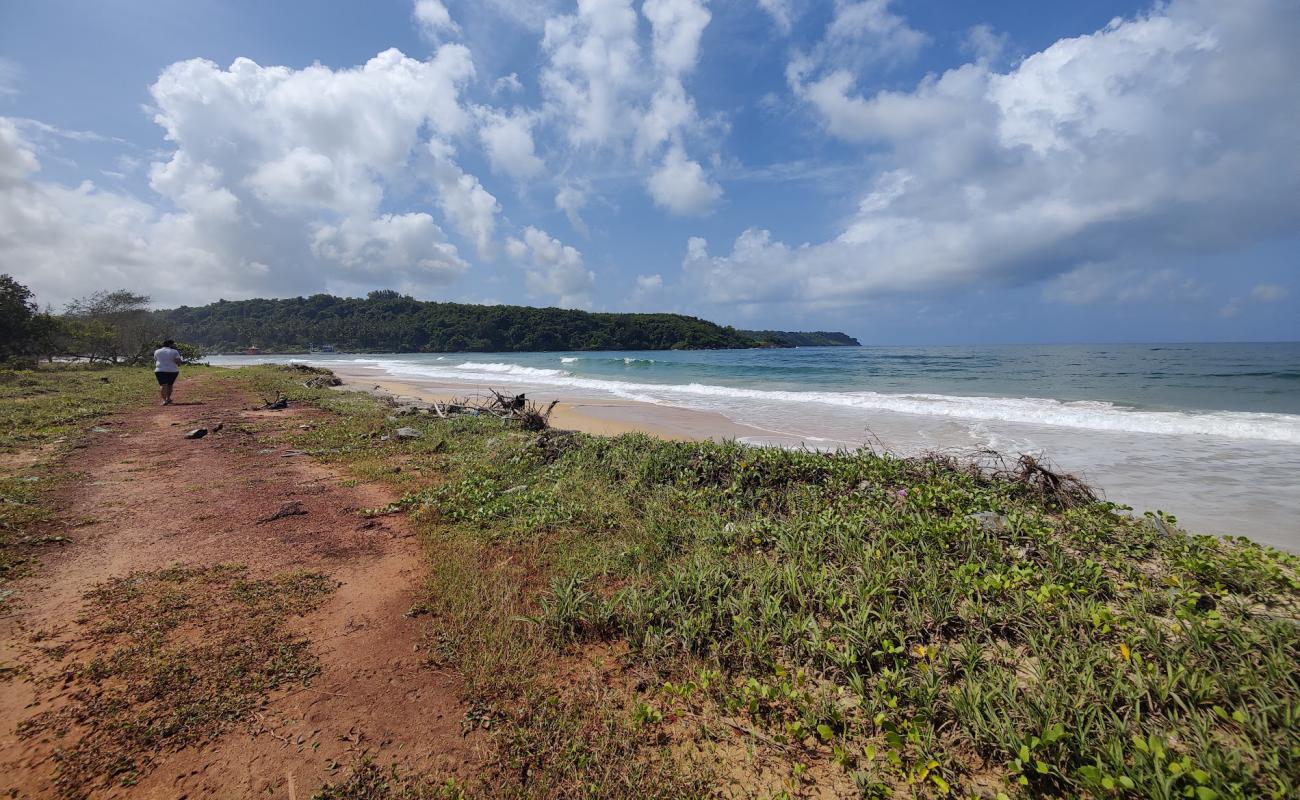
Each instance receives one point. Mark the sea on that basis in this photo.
(1207, 432)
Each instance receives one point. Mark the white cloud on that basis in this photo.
(17, 157)
(604, 94)
(302, 170)
(1167, 134)
(553, 269)
(681, 186)
(676, 28)
(571, 199)
(433, 19)
(66, 242)
(782, 12)
(593, 70)
(868, 30)
(985, 44)
(1269, 292)
(508, 141)
(647, 290)
(507, 84)
(756, 270)
(390, 243)
(470, 208)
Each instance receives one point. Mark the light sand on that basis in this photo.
(601, 416)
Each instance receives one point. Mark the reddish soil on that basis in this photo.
(148, 498)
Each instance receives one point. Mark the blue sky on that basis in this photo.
(910, 171)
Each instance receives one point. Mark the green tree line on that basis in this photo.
(391, 322)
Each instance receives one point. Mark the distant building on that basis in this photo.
(253, 351)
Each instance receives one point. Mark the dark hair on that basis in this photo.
(169, 343)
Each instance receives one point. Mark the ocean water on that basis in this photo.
(1209, 432)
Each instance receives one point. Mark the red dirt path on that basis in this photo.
(151, 498)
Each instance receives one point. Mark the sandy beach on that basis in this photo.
(596, 415)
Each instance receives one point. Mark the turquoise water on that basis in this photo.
(1211, 430)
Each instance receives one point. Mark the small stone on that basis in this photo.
(99, 430)
(197, 433)
(989, 520)
(407, 433)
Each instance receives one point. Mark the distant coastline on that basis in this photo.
(388, 322)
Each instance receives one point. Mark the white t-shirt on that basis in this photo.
(167, 359)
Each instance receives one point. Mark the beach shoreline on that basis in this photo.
(601, 416)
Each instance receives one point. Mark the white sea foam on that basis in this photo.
(569, 359)
(1083, 415)
(511, 370)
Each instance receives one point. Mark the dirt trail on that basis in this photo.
(150, 498)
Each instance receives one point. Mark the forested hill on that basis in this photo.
(388, 322)
(802, 338)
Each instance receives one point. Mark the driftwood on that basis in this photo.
(531, 416)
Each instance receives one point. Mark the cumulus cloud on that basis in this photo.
(870, 30)
(390, 243)
(676, 27)
(471, 209)
(64, 242)
(433, 19)
(602, 91)
(860, 36)
(593, 70)
(508, 141)
(681, 186)
(1169, 133)
(553, 269)
(507, 84)
(277, 180)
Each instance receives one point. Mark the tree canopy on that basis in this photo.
(390, 322)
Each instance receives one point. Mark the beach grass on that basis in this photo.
(851, 623)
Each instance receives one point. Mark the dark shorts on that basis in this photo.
(166, 378)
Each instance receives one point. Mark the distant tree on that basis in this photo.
(116, 327)
(19, 320)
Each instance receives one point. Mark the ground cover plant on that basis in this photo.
(44, 413)
(634, 617)
(179, 655)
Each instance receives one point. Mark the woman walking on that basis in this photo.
(167, 368)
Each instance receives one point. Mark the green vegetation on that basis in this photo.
(43, 414)
(181, 654)
(634, 617)
(802, 338)
(388, 322)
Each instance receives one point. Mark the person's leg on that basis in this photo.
(162, 388)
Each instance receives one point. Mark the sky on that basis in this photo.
(910, 172)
